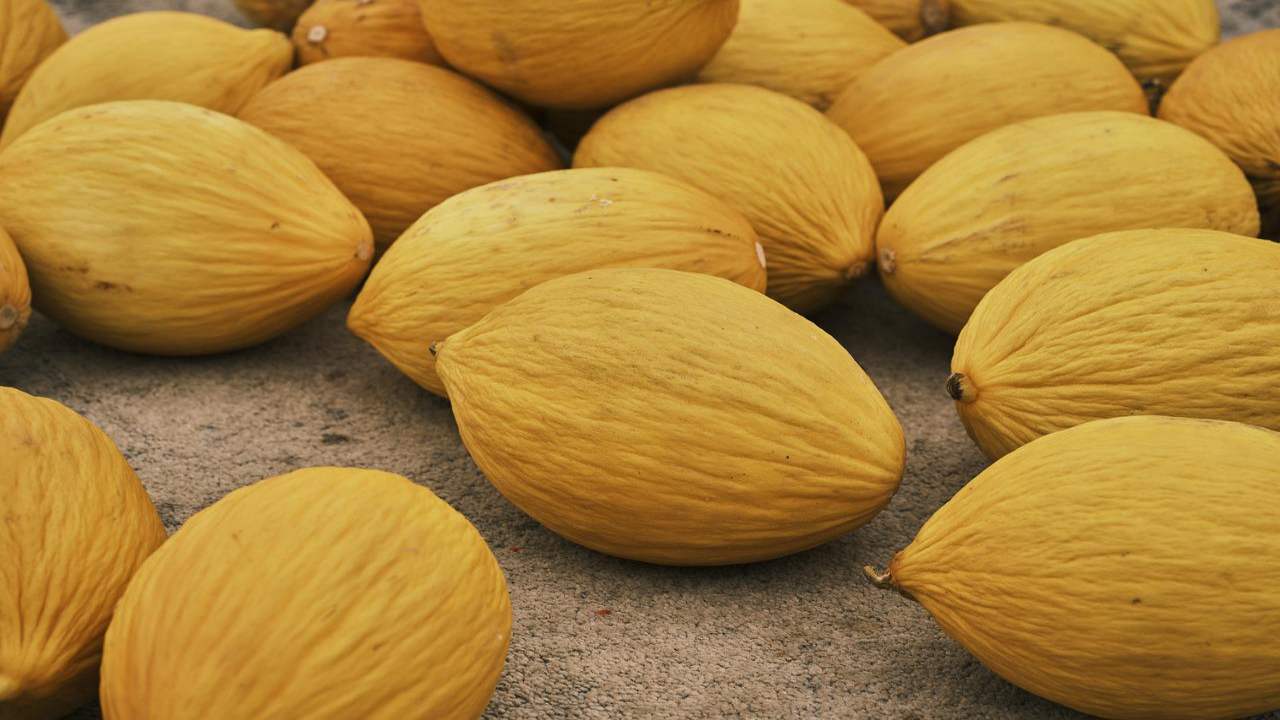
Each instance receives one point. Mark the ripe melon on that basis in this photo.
(15, 292)
(365, 28)
(29, 32)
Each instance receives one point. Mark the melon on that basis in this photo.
(911, 20)
(29, 32)
(278, 14)
(372, 28)
(15, 292)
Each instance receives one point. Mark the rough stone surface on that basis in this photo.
(594, 637)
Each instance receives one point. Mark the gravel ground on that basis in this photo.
(594, 637)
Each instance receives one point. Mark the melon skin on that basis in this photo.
(1231, 96)
(78, 524)
(806, 188)
(374, 28)
(1146, 322)
(1125, 568)
(485, 246)
(177, 56)
(910, 20)
(277, 14)
(29, 32)
(163, 228)
(325, 593)
(693, 421)
(1015, 193)
(15, 293)
(578, 54)
(1156, 39)
(906, 112)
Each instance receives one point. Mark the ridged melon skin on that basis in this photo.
(15, 292)
(325, 593)
(278, 14)
(29, 32)
(691, 421)
(912, 108)
(77, 524)
(910, 20)
(1126, 568)
(1012, 194)
(364, 122)
(164, 228)
(179, 56)
(1147, 322)
(484, 247)
(808, 49)
(1231, 95)
(1156, 39)
(806, 188)
(376, 28)
(578, 54)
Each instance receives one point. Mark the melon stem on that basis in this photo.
(884, 581)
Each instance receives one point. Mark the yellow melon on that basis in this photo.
(1012, 194)
(486, 246)
(29, 32)
(152, 56)
(77, 524)
(278, 14)
(165, 228)
(1154, 38)
(578, 54)
(671, 417)
(1231, 95)
(910, 109)
(1146, 322)
(375, 28)
(804, 185)
(808, 49)
(15, 292)
(911, 20)
(415, 154)
(1125, 568)
(327, 594)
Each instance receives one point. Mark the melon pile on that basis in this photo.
(604, 230)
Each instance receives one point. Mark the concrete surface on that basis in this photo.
(594, 637)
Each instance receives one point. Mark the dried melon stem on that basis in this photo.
(8, 317)
(961, 388)
(882, 580)
(935, 16)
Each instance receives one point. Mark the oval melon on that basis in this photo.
(1012, 194)
(15, 292)
(373, 28)
(278, 14)
(327, 594)
(1231, 95)
(1126, 568)
(909, 19)
(808, 49)
(486, 246)
(1155, 38)
(804, 185)
(29, 32)
(910, 109)
(152, 56)
(1147, 322)
(578, 54)
(165, 228)
(671, 417)
(77, 524)
(412, 154)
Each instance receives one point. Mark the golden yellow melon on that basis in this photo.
(671, 417)
(77, 524)
(808, 49)
(1145, 322)
(29, 32)
(1231, 95)
(1012, 194)
(15, 292)
(909, 110)
(578, 54)
(278, 14)
(1155, 38)
(326, 594)
(415, 154)
(374, 28)
(802, 183)
(486, 246)
(160, 227)
(909, 19)
(152, 56)
(1125, 568)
